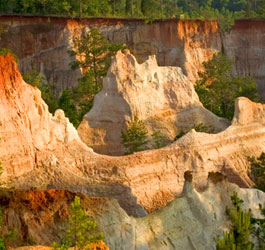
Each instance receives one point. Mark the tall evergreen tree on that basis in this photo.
(218, 88)
(80, 232)
(239, 236)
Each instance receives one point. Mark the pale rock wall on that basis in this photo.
(247, 112)
(162, 97)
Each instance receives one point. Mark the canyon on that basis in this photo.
(51, 154)
(174, 197)
(41, 43)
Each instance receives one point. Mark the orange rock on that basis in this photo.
(98, 246)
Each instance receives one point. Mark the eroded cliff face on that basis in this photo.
(192, 221)
(41, 43)
(245, 45)
(162, 97)
(46, 152)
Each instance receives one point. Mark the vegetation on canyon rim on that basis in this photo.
(223, 10)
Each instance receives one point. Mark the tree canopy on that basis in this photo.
(136, 8)
(218, 88)
(80, 231)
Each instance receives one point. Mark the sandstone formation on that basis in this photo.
(41, 43)
(25, 123)
(191, 222)
(39, 150)
(162, 97)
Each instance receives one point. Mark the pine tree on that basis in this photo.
(80, 229)
(239, 236)
(94, 52)
(218, 88)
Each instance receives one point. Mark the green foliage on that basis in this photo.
(258, 171)
(218, 88)
(2, 242)
(159, 139)
(258, 230)
(179, 135)
(66, 103)
(134, 138)
(239, 236)
(47, 94)
(151, 9)
(4, 51)
(92, 54)
(203, 128)
(80, 230)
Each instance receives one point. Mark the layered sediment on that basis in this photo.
(46, 152)
(41, 43)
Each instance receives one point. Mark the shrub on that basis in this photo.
(80, 229)
(159, 139)
(201, 127)
(134, 138)
(66, 103)
(258, 171)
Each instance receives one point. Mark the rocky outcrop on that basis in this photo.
(190, 222)
(162, 97)
(247, 112)
(26, 126)
(39, 150)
